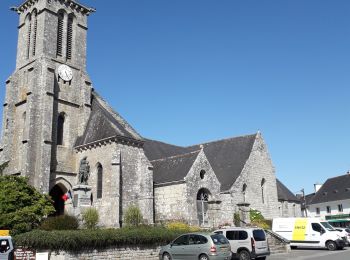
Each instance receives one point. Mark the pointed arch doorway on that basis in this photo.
(202, 206)
(56, 194)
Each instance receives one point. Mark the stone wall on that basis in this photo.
(289, 209)
(148, 253)
(170, 202)
(258, 167)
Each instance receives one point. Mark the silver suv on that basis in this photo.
(246, 243)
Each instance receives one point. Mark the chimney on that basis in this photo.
(317, 186)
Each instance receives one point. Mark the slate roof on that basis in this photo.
(227, 157)
(284, 193)
(174, 168)
(104, 123)
(337, 188)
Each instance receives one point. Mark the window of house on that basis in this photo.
(340, 207)
(202, 174)
(318, 211)
(328, 209)
(99, 180)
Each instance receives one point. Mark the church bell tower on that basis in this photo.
(48, 97)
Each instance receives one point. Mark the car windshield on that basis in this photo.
(219, 239)
(328, 226)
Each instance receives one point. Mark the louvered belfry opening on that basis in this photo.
(69, 37)
(29, 33)
(60, 34)
(35, 19)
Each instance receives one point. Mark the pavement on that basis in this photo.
(313, 254)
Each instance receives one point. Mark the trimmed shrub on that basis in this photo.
(133, 216)
(181, 226)
(90, 218)
(64, 222)
(77, 240)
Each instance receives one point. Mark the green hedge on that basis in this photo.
(76, 240)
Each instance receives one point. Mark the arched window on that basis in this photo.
(35, 27)
(60, 128)
(60, 33)
(202, 206)
(244, 191)
(99, 180)
(69, 36)
(262, 190)
(29, 32)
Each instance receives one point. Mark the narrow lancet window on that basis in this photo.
(60, 128)
(99, 180)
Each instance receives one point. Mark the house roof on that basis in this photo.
(284, 193)
(105, 123)
(227, 157)
(337, 188)
(174, 168)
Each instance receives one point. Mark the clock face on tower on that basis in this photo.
(65, 72)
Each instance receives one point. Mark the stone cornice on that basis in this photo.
(74, 5)
(109, 140)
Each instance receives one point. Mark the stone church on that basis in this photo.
(54, 122)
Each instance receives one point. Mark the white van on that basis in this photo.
(246, 243)
(308, 232)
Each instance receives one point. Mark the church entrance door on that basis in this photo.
(202, 206)
(56, 194)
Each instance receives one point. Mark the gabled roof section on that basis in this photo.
(337, 188)
(155, 150)
(174, 168)
(105, 123)
(227, 157)
(284, 193)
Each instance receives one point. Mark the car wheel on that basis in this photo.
(166, 256)
(244, 255)
(203, 257)
(331, 246)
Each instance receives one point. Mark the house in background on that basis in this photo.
(289, 205)
(332, 201)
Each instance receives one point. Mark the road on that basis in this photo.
(313, 254)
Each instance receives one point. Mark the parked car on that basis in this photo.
(6, 248)
(345, 232)
(246, 243)
(200, 246)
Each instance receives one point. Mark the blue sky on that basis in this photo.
(192, 71)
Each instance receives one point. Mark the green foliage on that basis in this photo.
(64, 222)
(90, 218)
(133, 216)
(257, 219)
(22, 207)
(237, 219)
(87, 239)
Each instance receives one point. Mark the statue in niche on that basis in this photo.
(84, 171)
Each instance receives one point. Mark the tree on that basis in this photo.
(22, 207)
